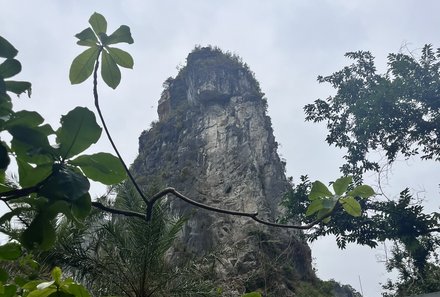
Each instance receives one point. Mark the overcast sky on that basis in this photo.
(286, 43)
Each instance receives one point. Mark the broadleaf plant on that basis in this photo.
(96, 38)
(49, 182)
(323, 201)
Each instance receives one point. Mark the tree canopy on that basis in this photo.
(397, 112)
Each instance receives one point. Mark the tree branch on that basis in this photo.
(95, 95)
(127, 213)
(252, 215)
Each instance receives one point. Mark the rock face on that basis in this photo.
(214, 143)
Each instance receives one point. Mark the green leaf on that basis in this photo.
(25, 118)
(42, 293)
(362, 191)
(4, 157)
(322, 213)
(122, 34)
(9, 290)
(31, 176)
(65, 184)
(3, 275)
(329, 203)
(10, 251)
(110, 71)
(19, 87)
(56, 275)
(78, 132)
(31, 285)
(101, 167)
(319, 190)
(88, 36)
(82, 206)
(78, 290)
(341, 184)
(351, 206)
(7, 50)
(35, 138)
(315, 205)
(40, 233)
(82, 65)
(98, 23)
(31, 154)
(122, 58)
(58, 207)
(9, 67)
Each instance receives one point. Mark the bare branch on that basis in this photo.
(127, 213)
(253, 215)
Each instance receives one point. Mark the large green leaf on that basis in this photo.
(40, 233)
(28, 141)
(101, 167)
(82, 65)
(54, 208)
(341, 184)
(319, 190)
(31, 154)
(4, 157)
(351, 206)
(122, 34)
(82, 206)
(78, 131)
(19, 87)
(315, 205)
(65, 184)
(10, 67)
(363, 191)
(10, 251)
(46, 292)
(5, 106)
(9, 290)
(7, 50)
(98, 23)
(110, 71)
(25, 118)
(122, 58)
(3, 275)
(31, 176)
(87, 37)
(78, 290)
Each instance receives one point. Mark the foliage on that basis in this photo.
(98, 42)
(53, 179)
(398, 112)
(411, 280)
(53, 176)
(403, 222)
(323, 201)
(127, 256)
(25, 271)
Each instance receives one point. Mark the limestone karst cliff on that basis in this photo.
(214, 143)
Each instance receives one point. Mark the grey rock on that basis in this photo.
(214, 143)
